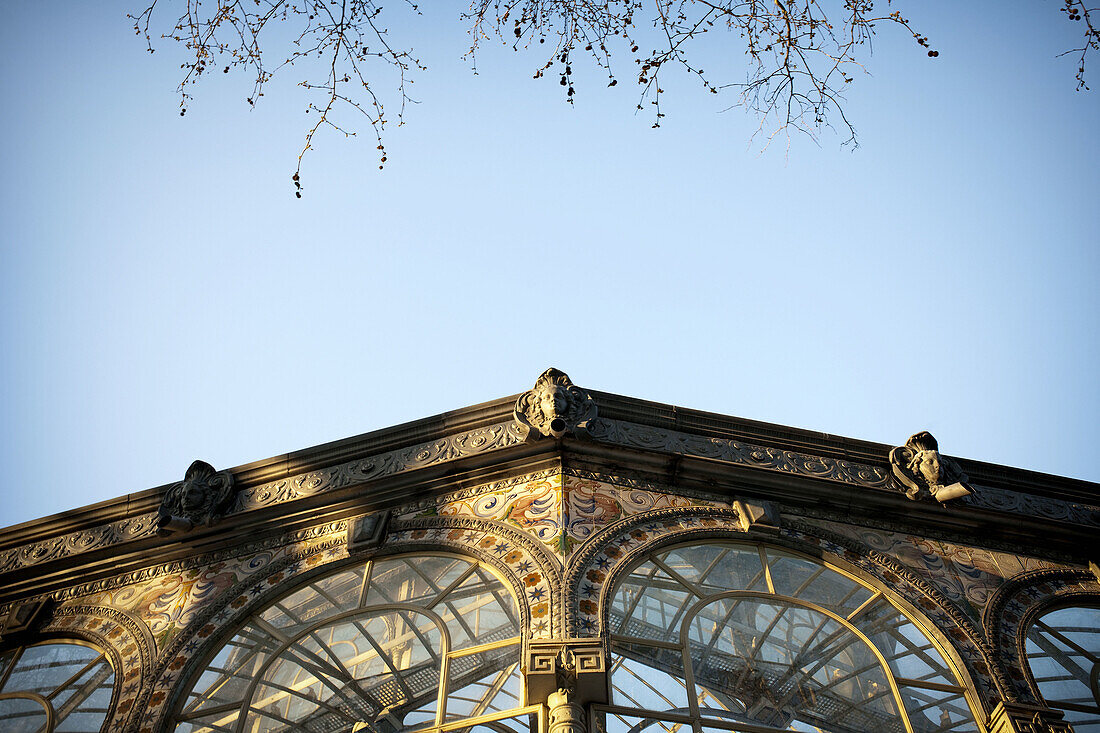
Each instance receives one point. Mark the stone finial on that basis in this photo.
(554, 407)
(924, 472)
(200, 499)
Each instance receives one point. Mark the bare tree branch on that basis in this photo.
(801, 55)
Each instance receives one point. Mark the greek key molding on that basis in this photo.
(1016, 605)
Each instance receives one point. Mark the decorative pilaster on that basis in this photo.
(1013, 717)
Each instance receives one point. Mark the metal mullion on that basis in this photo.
(493, 690)
(629, 612)
(659, 694)
(616, 638)
(677, 577)
(461, 621)
(714, 564)
(386, 661)
(766, 569)
(807, 653)
(85, 690)
(1063, 659)
(347, 672)
(486, 647)
(910, 682)
(443, 593)
(920, 652)
(11, 666)
(320, 675)
(419, 634)
(75, 677)
(225, 707)
(863, 606)
(714, 641)
(816, 574)
(1069, 642)
(1076, 707)
(368, 571)
(291, 692)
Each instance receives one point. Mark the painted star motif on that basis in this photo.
(589, 590)
(524, 567)
(603, 563)
(540, 627)
(587, 625)
(537, 594)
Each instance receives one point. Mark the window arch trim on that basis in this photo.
(634, 557)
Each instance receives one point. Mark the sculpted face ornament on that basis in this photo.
(919, 467)
(201, 498)
(554, 407)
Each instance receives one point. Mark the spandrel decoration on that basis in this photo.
(201, 499)
(925, 472)
(555, 406)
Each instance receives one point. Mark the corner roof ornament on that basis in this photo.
(925, 473)
(553, 407)
(201, 499)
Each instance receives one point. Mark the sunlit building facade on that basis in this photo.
(565, 561)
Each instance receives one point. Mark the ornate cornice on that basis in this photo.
(422, 455)
(851, 473)
(508, 434)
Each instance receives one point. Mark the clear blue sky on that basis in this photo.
(165, 298)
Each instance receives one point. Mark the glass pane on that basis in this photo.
(349, 651)
(811, 581)
(496, 685)
(22, 715)
(1063, 650)
(908, 651)
(76, 680)
(645, 686)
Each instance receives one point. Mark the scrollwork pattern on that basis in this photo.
(733, 451)
(75, 543)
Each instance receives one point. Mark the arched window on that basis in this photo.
(727, 636)
(401, 643)
(55, 686)
(1063, 652)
